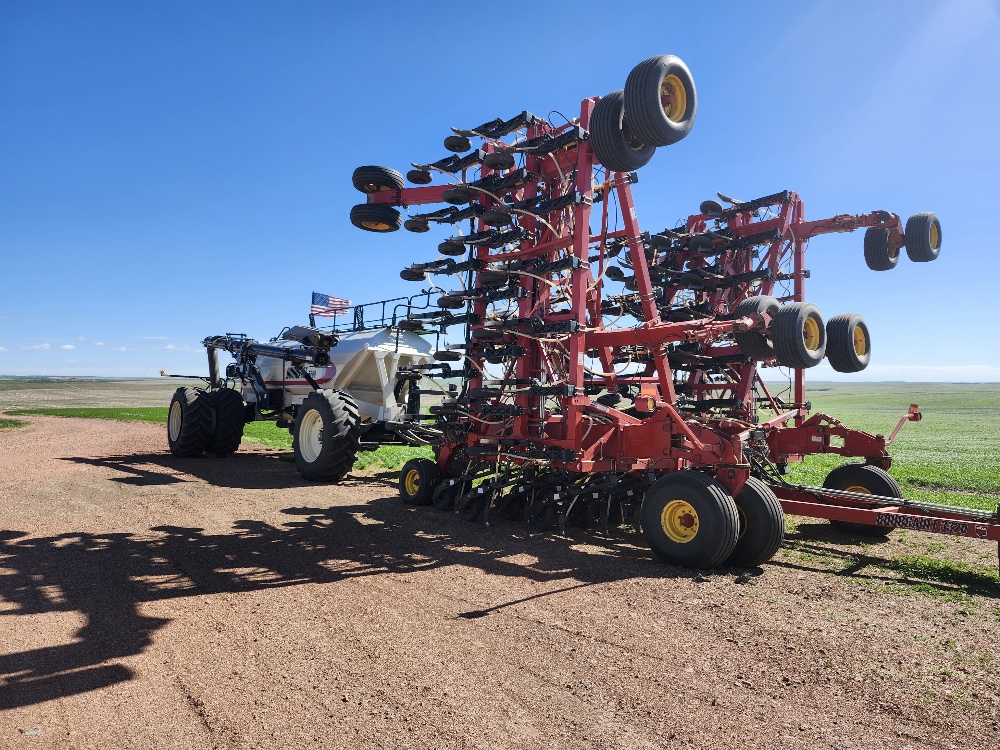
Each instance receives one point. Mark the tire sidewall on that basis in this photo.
(713, 542)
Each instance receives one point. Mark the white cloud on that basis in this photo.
(170, 347)
(121, 348)
(67, 346)
(4, 349)
(36, 346)
(81, 338)
(98, 343)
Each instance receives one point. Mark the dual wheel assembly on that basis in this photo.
(326, 434)
(798, 337)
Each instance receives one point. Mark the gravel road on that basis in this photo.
(154, 602)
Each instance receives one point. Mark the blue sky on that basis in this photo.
(174, 170)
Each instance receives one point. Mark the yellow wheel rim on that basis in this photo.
(679, 520)
(810, 334)
(377, 226)
(411, 482)
(935, 236)
(673, 98)
(860, 341)
(371, 187)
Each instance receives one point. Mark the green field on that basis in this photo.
(261, 433)
(951, 456)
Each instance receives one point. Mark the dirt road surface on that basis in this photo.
(154, 602)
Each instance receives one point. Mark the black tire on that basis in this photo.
(661, 103)
(417, 480)
(923, 237)
(799, 335)
(496, 218)
(412, 274)
(444, 495)
(710, 207)
(848, 343)
(230, 416)
(376, 217)
(457, 143)
(866, 479)
(878, 255)
(667, 511)
(499, 160)
(492, 278)
(457, 195)
(376, 179)
(754, 343)
(541, 515)
(417, 225)
(614, 143)
(470, 506)
(452, 248)
(511, 506)
(327, 436)
(762, 525)
(419, 176)
(189, 422)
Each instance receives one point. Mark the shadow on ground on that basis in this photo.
(105, 577)
(252, 471)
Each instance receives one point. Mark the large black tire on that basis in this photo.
(848, 343)
(878, 255)
(762, 525)
(230, 417)
(660, 100)
(799, 335)
(189, 422)
(327, 436)
(376, 217)
(614, 143)
(754, 343)
(690, 519)
(376, 179)
(923, 237)
(417, 480)
(867, 480)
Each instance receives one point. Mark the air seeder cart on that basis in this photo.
(336, 390)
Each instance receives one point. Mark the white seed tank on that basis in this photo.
(363, 363)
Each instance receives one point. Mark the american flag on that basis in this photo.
(326, 306)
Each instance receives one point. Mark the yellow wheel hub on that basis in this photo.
(673, 98)
(860, 341)
(679, 520)
(859, 489)
(810, 334)
(411, 482)
(378, 226)
(935, 236)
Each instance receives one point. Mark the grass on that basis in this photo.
(951, 456)
(8, 423)
(268, 434)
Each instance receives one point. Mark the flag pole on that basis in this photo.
(312, 318)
